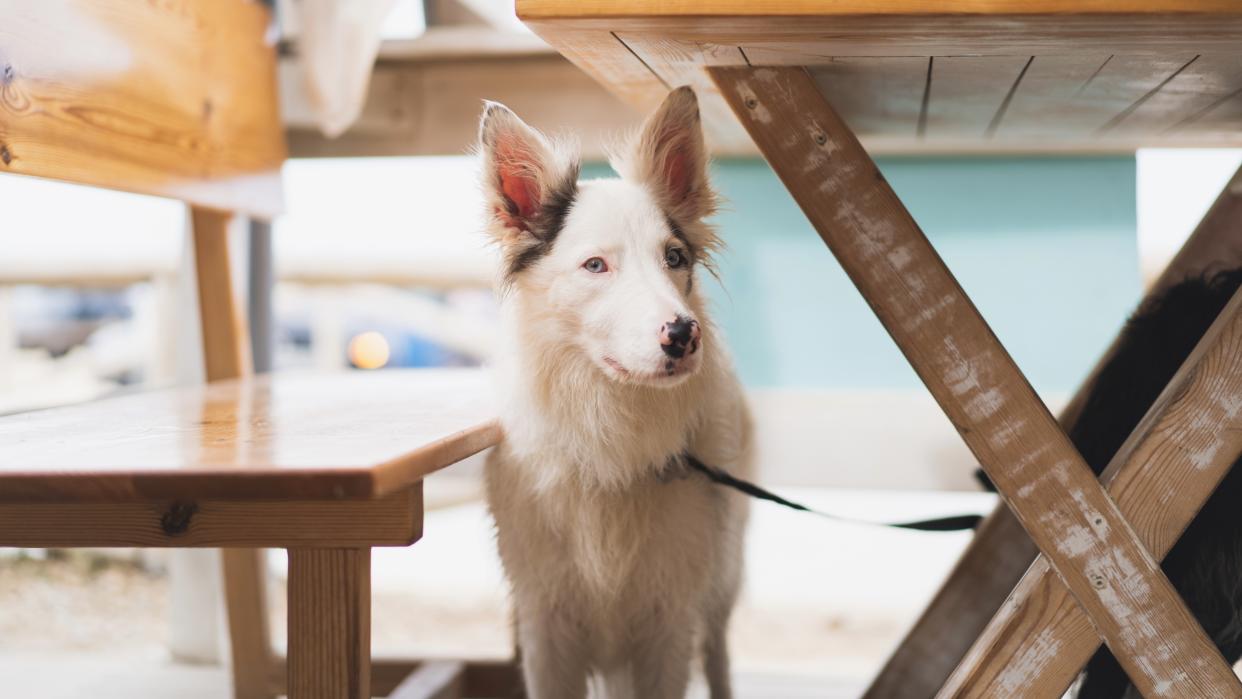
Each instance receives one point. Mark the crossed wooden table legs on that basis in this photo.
(1097, 575)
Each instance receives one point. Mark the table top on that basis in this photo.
(291, 436)
(919, 76)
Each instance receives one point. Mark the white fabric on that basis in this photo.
(337, 44)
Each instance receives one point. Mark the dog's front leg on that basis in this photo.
(661, 662)
(554, 662)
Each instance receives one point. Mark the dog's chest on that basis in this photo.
(656, 532)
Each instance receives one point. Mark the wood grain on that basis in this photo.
(394, 520)
(1160, 477)
(878, 96)
(329, 623)
(539, 9)
(1000, 552)
(174, 98)
(284, 436)
(244, 581)
(226, 342)
(986, 100)
(679, 63)
(1038, 472)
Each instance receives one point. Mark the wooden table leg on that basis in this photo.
(329, 624)
(226, 355)
(1018, 443)
(1172, 463)
(1000, 553)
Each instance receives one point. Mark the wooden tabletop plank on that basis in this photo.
(287, 436)
(535, 9)
(1010, 76)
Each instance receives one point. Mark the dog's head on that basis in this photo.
(606, 267)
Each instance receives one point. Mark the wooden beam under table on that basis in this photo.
(329, 623)
(1159, 479)
(1038, 472)
(1000, 551)
(396, 520)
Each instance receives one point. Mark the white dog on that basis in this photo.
(624, 563)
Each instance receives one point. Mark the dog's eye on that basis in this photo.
(595, 265)
(675, 258)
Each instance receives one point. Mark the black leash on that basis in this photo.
(942, 524)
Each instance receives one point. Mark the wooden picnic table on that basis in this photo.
(810, 83)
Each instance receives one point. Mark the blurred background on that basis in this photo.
(380, 263)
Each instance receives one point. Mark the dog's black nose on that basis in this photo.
(678, 336)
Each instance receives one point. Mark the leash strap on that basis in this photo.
(942, 524)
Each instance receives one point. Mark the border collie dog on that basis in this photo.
(624, 564)
(1206, 563)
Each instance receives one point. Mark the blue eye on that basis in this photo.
(675, 258)
(595, 265)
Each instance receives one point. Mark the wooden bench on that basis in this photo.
(805, 80)
(178, 99)
(326, 466)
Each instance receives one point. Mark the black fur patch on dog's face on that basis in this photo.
(546, 227)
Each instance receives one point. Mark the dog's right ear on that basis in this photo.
(527, 180)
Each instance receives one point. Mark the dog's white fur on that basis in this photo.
(624, 564)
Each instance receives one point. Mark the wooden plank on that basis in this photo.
(226, 355)
(599, 53)
(226, 344)
(176, 99)
(679, 63)
(1179, 105)
(1000, 552)
(1160, 477)
(1036, 469)
(244, 580)
(967, 96)
(828, 31)
(877, 96)
(535, 9)
(288, 435)
(434, 679)
(329, 623)
(930, 34)
(395, 520)
(1049, 100)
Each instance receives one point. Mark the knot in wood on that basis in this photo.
(7, 73)
(5, 156)
(176, 519)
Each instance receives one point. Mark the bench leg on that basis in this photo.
(329, 624)
(1160, 478)
(1000, 552)
(1036, 469)
(226, 355)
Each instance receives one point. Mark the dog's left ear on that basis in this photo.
(671, 159)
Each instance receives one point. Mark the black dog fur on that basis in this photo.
(1206, 564)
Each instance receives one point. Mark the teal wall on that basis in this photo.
(1045, 247)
